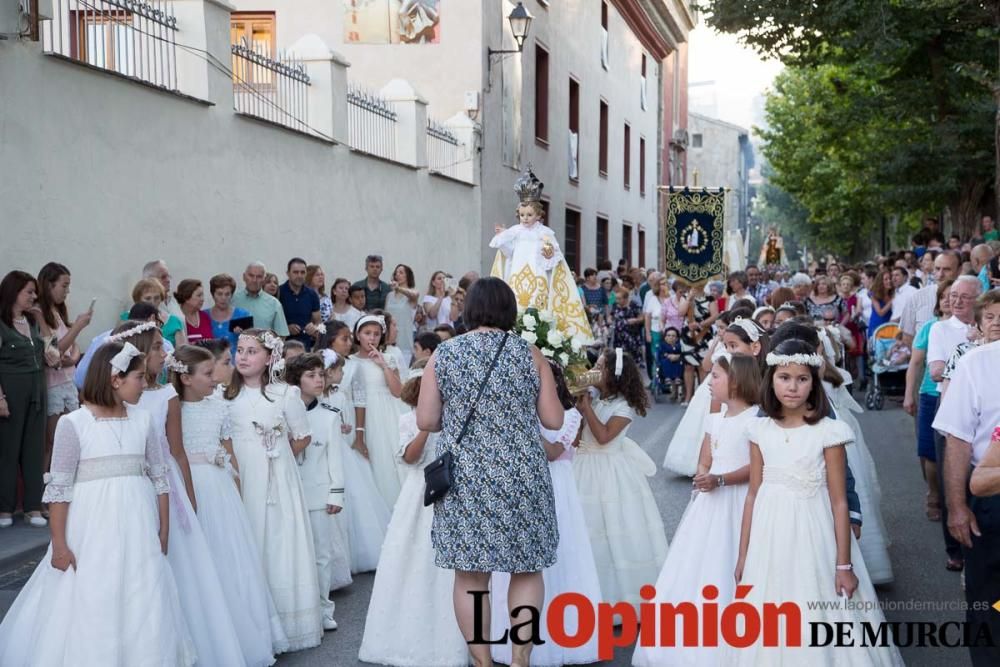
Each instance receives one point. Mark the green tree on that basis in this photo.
(921, 81)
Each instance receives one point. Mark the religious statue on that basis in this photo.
(529, 260)
(772, 254)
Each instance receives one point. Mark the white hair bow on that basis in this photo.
(121, 361)
(619, 361)
(750, 327)
(329, 358)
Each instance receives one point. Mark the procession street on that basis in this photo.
(917, 555)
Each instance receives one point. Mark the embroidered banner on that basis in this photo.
(694, 233)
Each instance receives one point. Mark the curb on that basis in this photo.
(20, 557)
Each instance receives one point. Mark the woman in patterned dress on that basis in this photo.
(696, 335)
(499, 515)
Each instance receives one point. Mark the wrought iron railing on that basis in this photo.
(275, 90)
(445, 153)
(371, 122)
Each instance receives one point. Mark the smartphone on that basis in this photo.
(92, 302)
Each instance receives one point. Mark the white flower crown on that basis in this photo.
(171, 364)
(813, 360)
(134, 331)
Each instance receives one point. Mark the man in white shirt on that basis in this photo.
(920, 307)
(948, 334)
(904, 290)
(969, 412)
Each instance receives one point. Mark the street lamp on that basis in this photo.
(520, 23)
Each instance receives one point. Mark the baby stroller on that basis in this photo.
(886, 377)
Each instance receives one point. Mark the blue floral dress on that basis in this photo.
(499, 515)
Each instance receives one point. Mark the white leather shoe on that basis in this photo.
(36, 521)
(329, 623)
(6, 521)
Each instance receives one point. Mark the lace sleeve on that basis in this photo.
(65, 457)
(358, 389)
(156, 467)
(226, 422)
(296, 416)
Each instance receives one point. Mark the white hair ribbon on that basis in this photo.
(329, 358)
(134, 331)
(120, 362)
(828, 351)
(369, 319)
(813, 360)
(750, 327)
(619, 361)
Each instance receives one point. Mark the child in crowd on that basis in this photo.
(411, 598)
(322, 470)
(362, 523)
(796, 538)
(269, 427)
(899, 353)
(201, 595)
(626, 533)
(356, 294)
(293, 348)
(424, 346)
(223, 519)
(104, 592)
(375, 388)
(741, 336)
(391, 339)
(575, 570)
(445, 332)
(706, 544)
(671, 362)
(222, 372)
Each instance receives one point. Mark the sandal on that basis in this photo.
(955, 565)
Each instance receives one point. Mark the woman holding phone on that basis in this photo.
(227, 320)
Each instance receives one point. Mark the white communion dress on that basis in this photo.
(365, 517)
(874, 540)
(685, 445)
(792, 551)
(371, 392)
(119, 606)
(540, 282)
(227, 531)
(411, 615)
(706, 545)
(209, 617)
(276, 506)
(574, 571)
(623, 521)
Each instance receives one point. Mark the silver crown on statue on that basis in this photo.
(528, 187)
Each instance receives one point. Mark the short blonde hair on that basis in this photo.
(147, 285)
(537, 205)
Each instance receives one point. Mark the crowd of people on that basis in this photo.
(286, 427)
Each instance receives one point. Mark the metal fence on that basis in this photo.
(134, 39)
(371, 122)
(444, 151)
(274, 90)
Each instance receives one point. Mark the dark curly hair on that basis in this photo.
(628, 385)
(562, 389)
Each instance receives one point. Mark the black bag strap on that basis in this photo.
(482, 387)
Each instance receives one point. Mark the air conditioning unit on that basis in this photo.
(680, 138)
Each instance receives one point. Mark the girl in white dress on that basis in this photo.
(625, 527)
(322, 471)
(376, 388)
(742, 336)
(204, 603)
(104, 593)
(269, 426)
(796, 543)
(411, 617)
(365, 517)
(706, 545)
(575, 570)
(223, 520)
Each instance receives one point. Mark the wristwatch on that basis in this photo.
(846, 567)
(720, 480)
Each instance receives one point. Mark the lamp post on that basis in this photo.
(520, 22)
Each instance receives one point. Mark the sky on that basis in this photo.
(740, 76)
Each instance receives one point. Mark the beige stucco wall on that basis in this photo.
(133, 174)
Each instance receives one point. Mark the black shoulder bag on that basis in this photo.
(439, 473)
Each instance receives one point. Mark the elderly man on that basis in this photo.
(300, 303)
(920, 307)
(376, 289)
(158, 269)
(802, 285)
(266, 310)
(969, 412)
(980, 258)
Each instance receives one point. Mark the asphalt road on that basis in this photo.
(917, 548)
